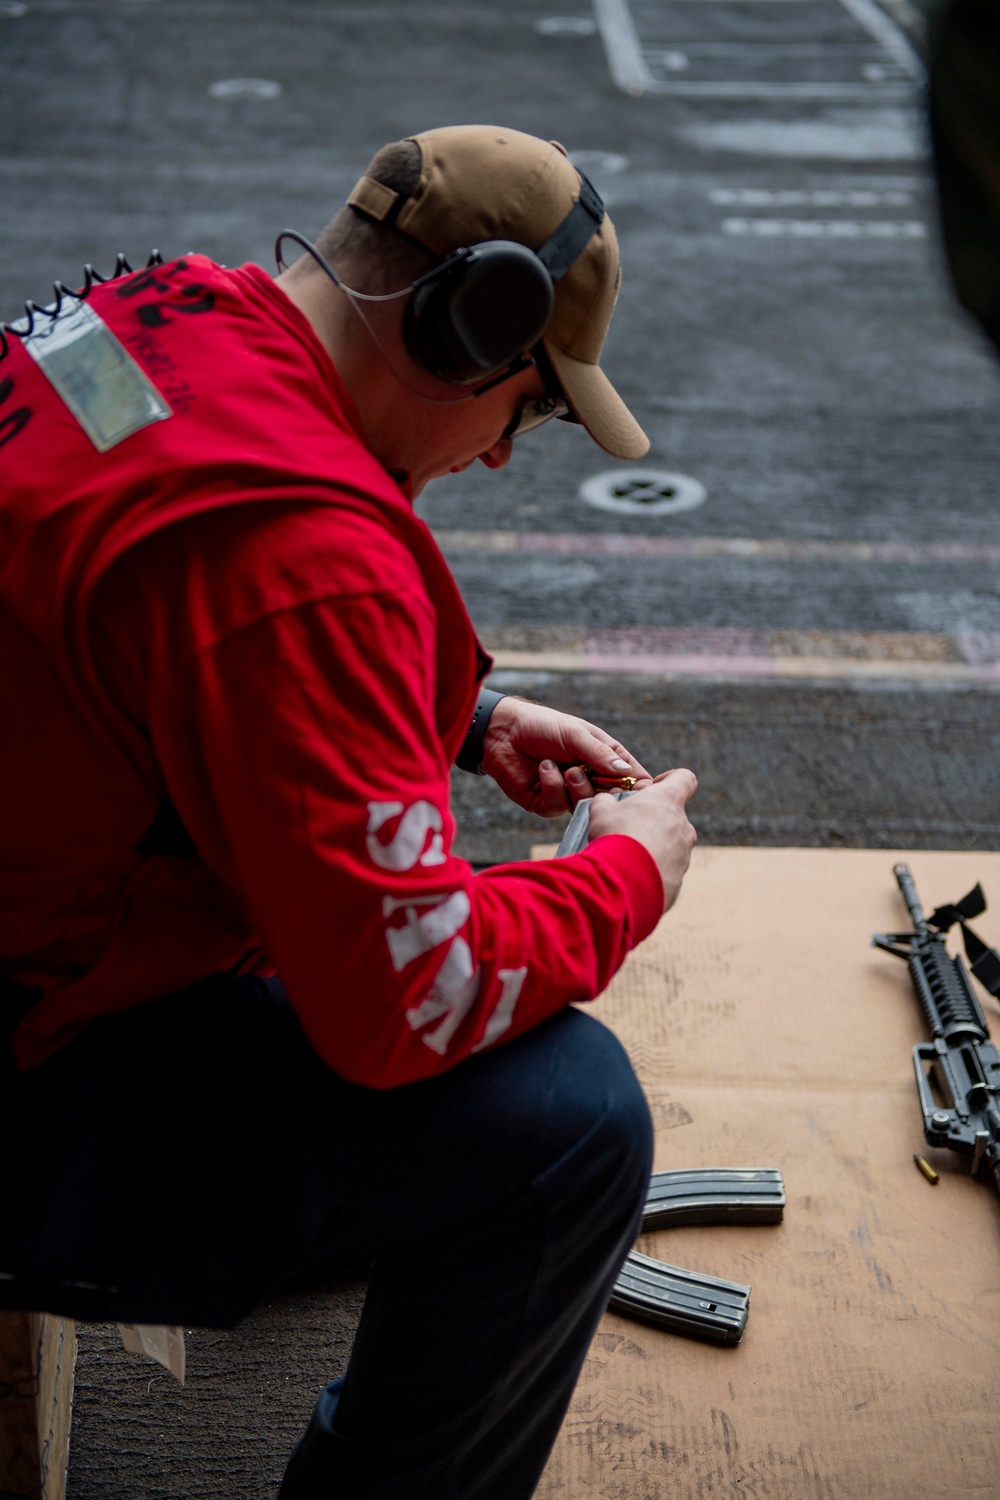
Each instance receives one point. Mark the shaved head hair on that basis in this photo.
(375, 257)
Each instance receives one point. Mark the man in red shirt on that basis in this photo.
(243, 671)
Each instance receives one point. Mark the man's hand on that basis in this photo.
(528, 749)
(658, 821)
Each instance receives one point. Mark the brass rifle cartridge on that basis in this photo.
(609, 783)
(926, 1168)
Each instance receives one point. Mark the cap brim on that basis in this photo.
(598, 406)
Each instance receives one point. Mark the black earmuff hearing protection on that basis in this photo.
(480, 311)
(488, 304)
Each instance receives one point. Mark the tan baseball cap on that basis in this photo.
(484, 182)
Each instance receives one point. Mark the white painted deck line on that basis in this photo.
(838, 93)
(775, 549)
(864, 49)
(744, 2)
(630, 71)
(879, 25)
(811, 197)
(622, 48)
(825, 667)
(830, 229)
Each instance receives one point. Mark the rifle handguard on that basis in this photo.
(685, 1302)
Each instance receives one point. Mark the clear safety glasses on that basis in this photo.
(534, 413)
(540, 408)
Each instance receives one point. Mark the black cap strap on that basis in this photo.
(574, 233)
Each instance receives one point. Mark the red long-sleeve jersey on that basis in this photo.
(235, 608)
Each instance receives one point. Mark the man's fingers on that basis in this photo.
(657, 820)
(614, 774)
(613, 763)
(685, 781)
(552, 789)
(609, 758)
(681, 780)
(579, 785)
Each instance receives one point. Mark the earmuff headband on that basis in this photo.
(376, 201)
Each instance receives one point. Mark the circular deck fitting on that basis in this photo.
(566, 26)
(245, 88)
(642, 492)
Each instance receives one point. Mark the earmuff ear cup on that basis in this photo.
(478, 311)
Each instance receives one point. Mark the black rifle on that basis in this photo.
(958, 1073)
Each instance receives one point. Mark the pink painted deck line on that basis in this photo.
(980, 650)
(775, 549)
(986, 671)
(754, 650)
(986, 552)
(668, 650)
(681, 666)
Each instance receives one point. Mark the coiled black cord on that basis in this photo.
(25, 326)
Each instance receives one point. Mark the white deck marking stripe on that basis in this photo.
(622, 48)
(811, 197)
(745, 2)
(879, 25)
(844, 52)
(770, 549)
(830, 229)
(627, 62)
(843, 93)
(747, 666)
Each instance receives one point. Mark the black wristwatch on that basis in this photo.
(470, 757)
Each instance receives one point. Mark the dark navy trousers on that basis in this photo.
(188, 1158)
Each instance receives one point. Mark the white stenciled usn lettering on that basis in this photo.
(428, 922)
(456, 983)
(406, 848)
(499, 1022)
(451, 995)
(421, 932)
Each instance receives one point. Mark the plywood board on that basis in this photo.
(767, 1032)
(37, 1360)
